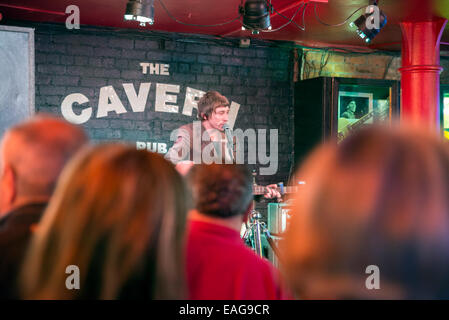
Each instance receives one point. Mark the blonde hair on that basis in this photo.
(118, 214)
(380, 198)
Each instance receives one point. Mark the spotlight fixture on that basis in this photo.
(256, 15)
(370, 23)
(140, 10)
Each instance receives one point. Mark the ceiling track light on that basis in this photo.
(141, 11)
(256, 15)
(369, 24)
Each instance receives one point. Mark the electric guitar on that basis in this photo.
(261, 190)
(348, 126)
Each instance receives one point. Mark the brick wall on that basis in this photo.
(316, 63)
(258, 78)
(322, 63)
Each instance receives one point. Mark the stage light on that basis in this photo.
(370, 23)
(256, 15)
(140, 10)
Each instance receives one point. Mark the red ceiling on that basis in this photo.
(110, 13)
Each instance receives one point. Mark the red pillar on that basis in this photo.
(420, 81)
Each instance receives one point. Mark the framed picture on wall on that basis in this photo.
(321, 102)
(16, 75)
(354, 105)
(354, 110)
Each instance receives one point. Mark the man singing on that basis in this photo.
(204, 141)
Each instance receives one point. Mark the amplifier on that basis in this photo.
(278, 215)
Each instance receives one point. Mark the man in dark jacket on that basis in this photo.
(32, 155)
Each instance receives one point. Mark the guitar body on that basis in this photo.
(345, 125)
(349, 125)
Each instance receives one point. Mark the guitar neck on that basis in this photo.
(351, 127)
(260, 190)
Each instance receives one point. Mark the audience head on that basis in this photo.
(32, 154)
(118, 214)
(380, 198)
(221, 191)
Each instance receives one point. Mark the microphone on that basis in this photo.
(230, 139)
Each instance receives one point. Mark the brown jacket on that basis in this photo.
(191, 140)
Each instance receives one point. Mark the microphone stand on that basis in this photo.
(255, 227)
(230, 141)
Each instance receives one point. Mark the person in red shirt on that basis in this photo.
(219, 265)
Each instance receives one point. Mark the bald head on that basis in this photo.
(32, 156)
